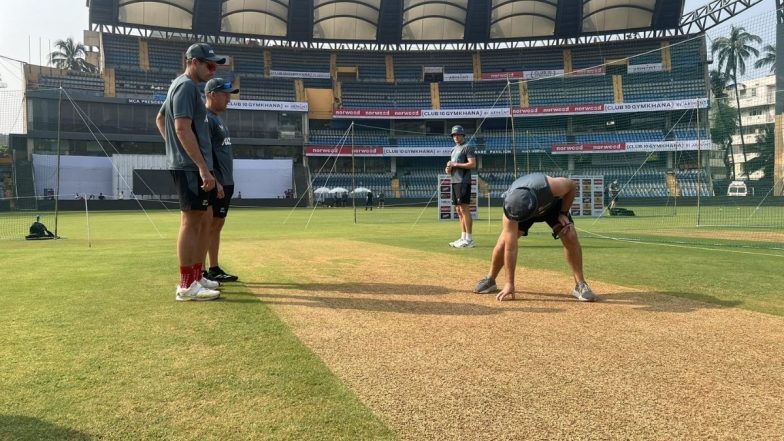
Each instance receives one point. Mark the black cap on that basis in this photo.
(204, 51)
(520, 204)
(219, 85)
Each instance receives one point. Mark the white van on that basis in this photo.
(737, 188)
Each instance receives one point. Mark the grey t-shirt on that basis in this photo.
(537, 182)
(221, 149)
(184, 101)
(461, 153)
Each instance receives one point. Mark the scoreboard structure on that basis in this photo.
(446, 210)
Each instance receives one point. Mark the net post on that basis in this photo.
(353, 174)
(57, 170)
(699, 161)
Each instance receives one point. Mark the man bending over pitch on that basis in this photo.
(531, 199)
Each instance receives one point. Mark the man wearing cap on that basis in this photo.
(182, 122)
(461, 162)
(218, 92)
(531, 199)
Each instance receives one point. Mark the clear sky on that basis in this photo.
(27, 32)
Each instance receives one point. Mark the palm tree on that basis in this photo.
(769, 58)
(70, 55)
(718, 84)
(733, 52)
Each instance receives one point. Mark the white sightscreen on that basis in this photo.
(255, 178)
(262, 178)
(83, 175)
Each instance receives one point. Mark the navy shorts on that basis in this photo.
(221, 206)
(192, 197)
(461, 192)
(550, 216)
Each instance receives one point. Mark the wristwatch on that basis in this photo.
(566, 213)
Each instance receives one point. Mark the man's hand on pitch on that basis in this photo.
(508, 293)
(221, 194)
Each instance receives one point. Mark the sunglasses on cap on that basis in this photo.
(211, 65)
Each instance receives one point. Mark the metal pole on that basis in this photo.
(87, 216)
(57, 170)
(699, 163)
(353, 174)
(514, 138)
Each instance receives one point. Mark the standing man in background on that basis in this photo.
(369, 200)
(218, 92)
(182, 122)
(462, 161)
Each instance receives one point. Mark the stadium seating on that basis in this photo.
(340, 137)
(408, 67)
(371, 65)
(455, 95)
(300, 60)
(256, 87)
(387, 96)
(79, 82)
(120, 50)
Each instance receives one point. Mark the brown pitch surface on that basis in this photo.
(402, 329)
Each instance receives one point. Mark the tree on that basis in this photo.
(70, 55)
(723, 121)
(718, 84)
(733, 52)
(769, 58)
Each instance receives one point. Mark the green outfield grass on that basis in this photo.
(93, 345)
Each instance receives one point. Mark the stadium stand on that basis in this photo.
(82, 82)
(371, 65)
(300, 60)
(409, 91)
(479, 94)
(388, 96)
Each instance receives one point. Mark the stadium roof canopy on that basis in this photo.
(396, 22)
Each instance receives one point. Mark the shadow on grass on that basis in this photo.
(18, 427)
(668, 301)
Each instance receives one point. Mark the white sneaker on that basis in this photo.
(465, 244)
(456, 244)
(583, 293)
(209, 284)
(195, 292)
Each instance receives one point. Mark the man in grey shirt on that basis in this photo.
(182, 122)
(532, 199)
(218, 93)
(461, 162)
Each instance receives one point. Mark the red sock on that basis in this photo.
(197, 271)
(186, 276)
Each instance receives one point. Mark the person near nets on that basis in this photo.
(39, 231)
(218, 94)
(461, 162)
(369, 200)
(182, 122)
(381, 199)
(532, 199)
(613, 190)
